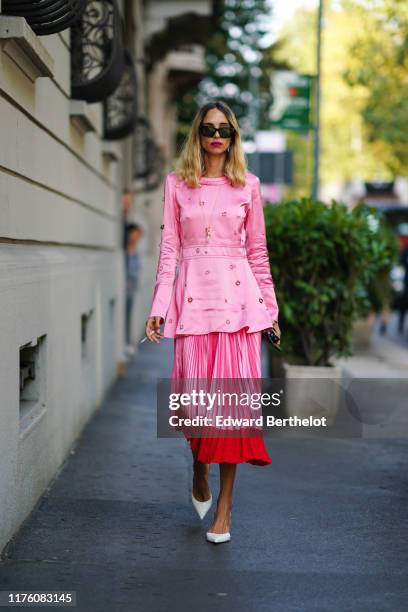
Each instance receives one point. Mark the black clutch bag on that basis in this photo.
(273, 339)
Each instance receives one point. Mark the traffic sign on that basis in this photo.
(291, 107)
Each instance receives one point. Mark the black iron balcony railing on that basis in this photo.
(46, 16)
(139, 148)
(148, 159)
(156, 164)
(97, 52)
(120, 109)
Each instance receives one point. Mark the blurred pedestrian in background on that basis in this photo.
(132, 258)
(403, 298)
(127, 203)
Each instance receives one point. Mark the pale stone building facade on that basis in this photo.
(61, 257)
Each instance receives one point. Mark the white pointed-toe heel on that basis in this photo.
(217, 538)
(201, 507)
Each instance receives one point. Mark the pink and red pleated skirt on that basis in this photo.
(229, 355)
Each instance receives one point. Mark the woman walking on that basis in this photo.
(223, 296)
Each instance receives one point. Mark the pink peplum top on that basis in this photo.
(218, 283)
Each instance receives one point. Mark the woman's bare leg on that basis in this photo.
(201, 488)
(221, 521)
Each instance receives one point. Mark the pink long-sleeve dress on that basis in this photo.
(215, 294)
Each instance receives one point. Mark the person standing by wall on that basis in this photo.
(403, 298)
(132, 258)
(127, 203)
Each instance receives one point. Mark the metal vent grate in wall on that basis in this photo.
(86, 323)
(32, 383)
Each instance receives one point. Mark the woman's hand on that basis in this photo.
(153, 332)
(276, 329)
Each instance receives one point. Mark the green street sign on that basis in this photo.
(291, 94)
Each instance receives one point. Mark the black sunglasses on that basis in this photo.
(208, 130)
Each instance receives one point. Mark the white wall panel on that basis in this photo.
(47, 105)
(60, 257)
(33, 153)
(30, 212)
(44, 290)
(61, 56)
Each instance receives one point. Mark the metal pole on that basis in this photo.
(254, 109)
(316, 126)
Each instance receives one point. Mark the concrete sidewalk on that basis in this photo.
(385, 355)
(324, 528)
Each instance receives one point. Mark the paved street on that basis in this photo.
(324, 528)
(392, 332)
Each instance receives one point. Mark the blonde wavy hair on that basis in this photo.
(190, 165)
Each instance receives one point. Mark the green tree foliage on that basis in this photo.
(380, 66)
(363, 87)
(326, 260)
(239, 43)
